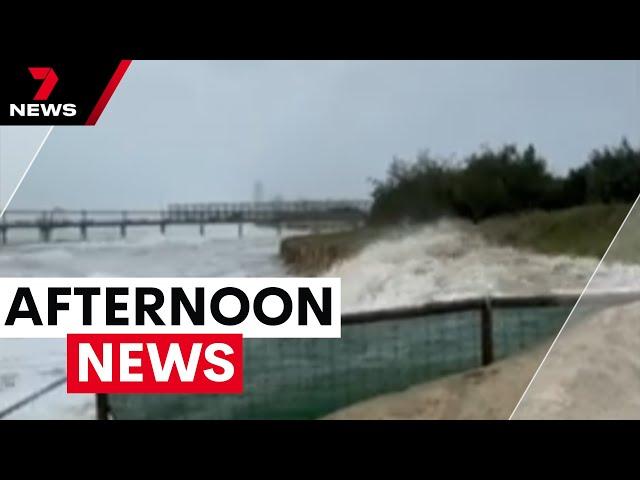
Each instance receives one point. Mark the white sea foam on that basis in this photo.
(451, 260)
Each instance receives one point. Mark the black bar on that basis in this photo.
(486, 332)
(34, 396)
(470, 304)
(411, 312)
(102, 406)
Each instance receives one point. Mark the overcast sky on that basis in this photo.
(207, 131)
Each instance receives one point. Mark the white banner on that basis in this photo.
(253, 307)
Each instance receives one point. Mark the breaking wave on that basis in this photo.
(451, 260)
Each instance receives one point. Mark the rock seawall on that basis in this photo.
(315, 253)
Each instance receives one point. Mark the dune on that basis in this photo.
(593, 371)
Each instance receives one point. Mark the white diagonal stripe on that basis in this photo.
(573, 309)
(26, 171)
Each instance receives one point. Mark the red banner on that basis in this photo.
(154, 363)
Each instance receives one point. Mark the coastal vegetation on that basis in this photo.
(584, 231)
(503, 181)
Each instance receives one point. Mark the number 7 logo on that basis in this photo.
(49, 80)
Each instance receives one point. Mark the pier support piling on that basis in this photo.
(83, 225)
(45, 233)
(123, 225)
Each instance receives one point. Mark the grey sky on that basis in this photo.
(206, 131)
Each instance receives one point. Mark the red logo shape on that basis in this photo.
(49, 80)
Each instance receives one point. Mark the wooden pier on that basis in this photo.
(276, 214)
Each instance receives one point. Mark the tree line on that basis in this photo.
(506, 180)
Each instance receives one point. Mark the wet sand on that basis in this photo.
(484, 393)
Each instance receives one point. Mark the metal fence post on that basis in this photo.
(486, 332)
(102, 406)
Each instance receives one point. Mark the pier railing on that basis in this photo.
(275, 213)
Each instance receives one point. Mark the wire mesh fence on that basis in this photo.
(379, 352)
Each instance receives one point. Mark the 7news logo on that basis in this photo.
(49, 80)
